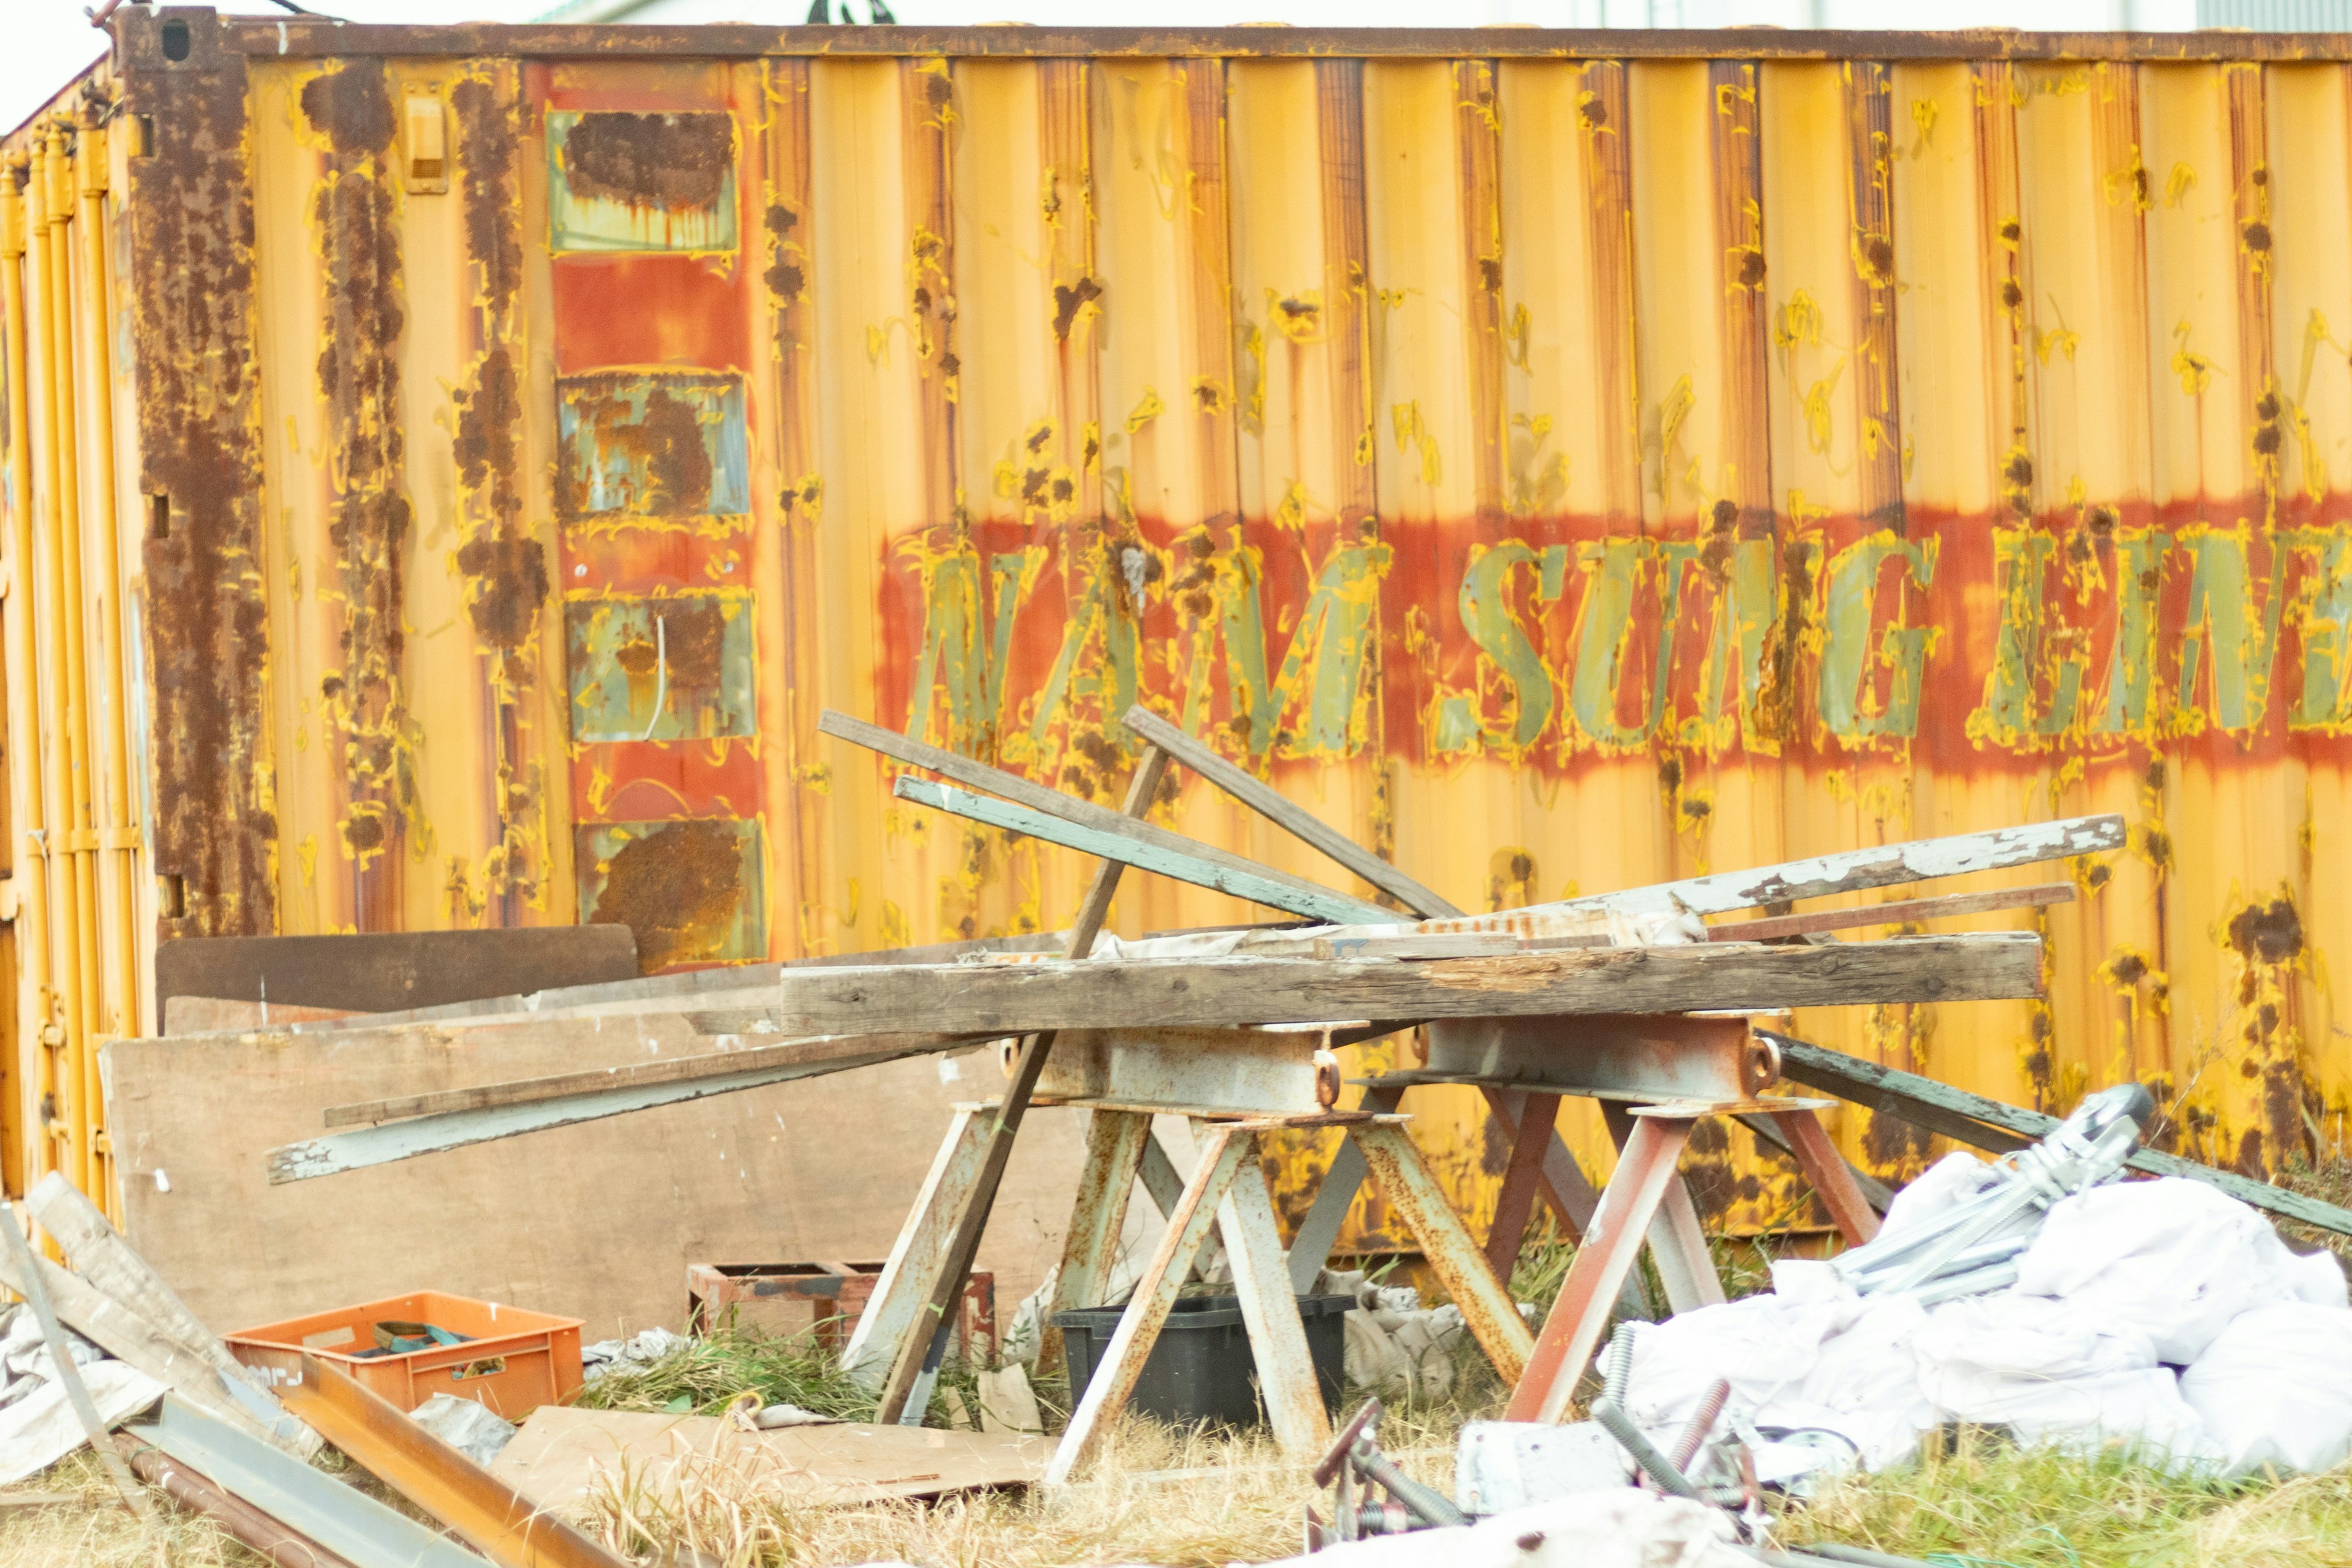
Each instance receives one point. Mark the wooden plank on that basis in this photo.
(131, 1339)
(919, 1353)
(1856, 870)
(380, 971)
(385, 1142)
(911, 1278)
(1222, 1149)
(1286, 814)
(1249, 880)
(1053, 803)
(595, 1220)
(1226, 993)
(562, 1454)
(660, 993)
(1990, 1124)
(1292, 1394)
(1902, 912)
(852, 1051)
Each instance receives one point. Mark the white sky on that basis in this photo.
(44, 43)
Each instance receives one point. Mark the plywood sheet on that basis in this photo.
(557, 1457)
(597, 1221)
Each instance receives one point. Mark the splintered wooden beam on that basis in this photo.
(1900, 912)
(1069, 809)
(1256, 883)
(1983, 1123)
(1285, 814)
(1231, 991)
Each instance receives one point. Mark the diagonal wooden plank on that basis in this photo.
(1900, 911)
(1285, 814)
(1983, 1123)
(1053, 803)
(1256, 883)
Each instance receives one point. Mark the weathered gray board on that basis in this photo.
(597, 1221)
(381, 972)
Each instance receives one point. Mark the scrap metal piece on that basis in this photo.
(70, 1375)
(340, 1523)
(487, 1512)
(1644, 1453)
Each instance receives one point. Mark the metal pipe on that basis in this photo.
(1702, 1422)
(57, 168)
(36, 1076)
(57, 761)
(1654, 1465)
(115, 852)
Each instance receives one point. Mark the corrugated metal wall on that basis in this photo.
(1561, 473)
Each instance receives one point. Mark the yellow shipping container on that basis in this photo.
(449, 470)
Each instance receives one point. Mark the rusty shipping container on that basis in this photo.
(449, 470)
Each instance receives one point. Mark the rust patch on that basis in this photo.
(667, 441)
(676, 162)
(785, 277)
(695, 631)
(1891, 1143)
(505, 568)
(369, 519)
(509, 586)
(206, 629)
(2267, 934)
(1069, 298)
(353, 109)
(679, 889)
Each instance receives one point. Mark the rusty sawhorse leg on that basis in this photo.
(1630, 1203)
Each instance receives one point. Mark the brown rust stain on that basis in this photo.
(2267, 934)
(676, 162)
(667, 438)
(505, 567)
(206, 629)
(785, 277)
(1069, 298)
(679, 888)
(358, 386)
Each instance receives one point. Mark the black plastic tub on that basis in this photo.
(1201, 1370)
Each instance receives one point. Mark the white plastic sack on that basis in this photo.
(1835, 1363)
(2053, 1371)
(2173, 1258)
(2275, 1388)
(1625, 1528)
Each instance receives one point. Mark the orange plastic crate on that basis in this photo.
(512, 1361)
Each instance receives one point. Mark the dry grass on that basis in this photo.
(1987, 1503)
(97, 1531)
(1182, 1498)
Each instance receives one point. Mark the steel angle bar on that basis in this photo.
(1258, 884)
(387, 1142)
(489, 1515)
(309, 1503)
(1990, 1124)
(1285, 814)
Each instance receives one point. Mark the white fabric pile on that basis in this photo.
(37, 1424)
(2163, 1314)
